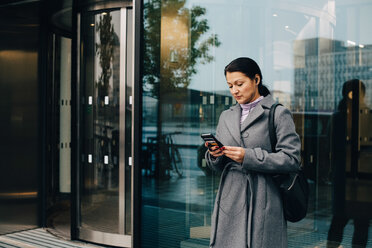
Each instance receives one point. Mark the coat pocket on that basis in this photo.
(233, 194)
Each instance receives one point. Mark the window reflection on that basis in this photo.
(100, 130)
(351, 193)
(307, 51)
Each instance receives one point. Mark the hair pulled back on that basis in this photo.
(250, 68)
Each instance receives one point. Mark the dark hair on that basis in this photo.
(250, 68)
(346, 88)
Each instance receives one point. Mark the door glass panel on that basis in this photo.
(104, 131)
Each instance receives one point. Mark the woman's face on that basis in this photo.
(243, 89)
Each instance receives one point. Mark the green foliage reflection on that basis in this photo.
(169, 66)
(105, 51)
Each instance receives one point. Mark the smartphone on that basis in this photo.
(212, 141)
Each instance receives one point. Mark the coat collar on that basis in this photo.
(257, 111)
(233, 122)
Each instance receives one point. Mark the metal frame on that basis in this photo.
(75, 121)
(123, 67)
(42, 108)
(137, 130)
(107, 5)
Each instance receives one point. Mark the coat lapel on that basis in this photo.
(257, 112)
(233, 122)
(233, 119)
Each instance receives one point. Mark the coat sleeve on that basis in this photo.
(287, 156)
(216, 164)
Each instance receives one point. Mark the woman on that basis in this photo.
(248, 210)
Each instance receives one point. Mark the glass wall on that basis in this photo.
(316, 58)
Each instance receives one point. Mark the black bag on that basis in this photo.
(293, 186)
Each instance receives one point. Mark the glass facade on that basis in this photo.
(316, 59)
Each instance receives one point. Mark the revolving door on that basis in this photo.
(105, 103)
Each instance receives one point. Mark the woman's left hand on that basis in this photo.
(235, 153)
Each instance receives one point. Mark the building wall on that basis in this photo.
(19, 110)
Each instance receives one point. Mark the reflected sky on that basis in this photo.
(266, 31)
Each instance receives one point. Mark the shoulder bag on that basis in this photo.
(293, 187)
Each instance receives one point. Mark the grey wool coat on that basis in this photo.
(248, 210)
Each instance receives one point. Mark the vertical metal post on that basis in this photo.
(122, 100)
(75, 123)
(136, 198)
(42, 120)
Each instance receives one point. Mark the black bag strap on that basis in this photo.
(272, 133)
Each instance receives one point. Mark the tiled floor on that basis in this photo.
(39, 238)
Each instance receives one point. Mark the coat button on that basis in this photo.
(245, 135)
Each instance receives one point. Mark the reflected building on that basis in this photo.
(321, 66)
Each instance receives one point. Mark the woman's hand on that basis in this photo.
(215, 151)
(235, 153)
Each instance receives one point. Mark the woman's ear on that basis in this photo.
(256, 80)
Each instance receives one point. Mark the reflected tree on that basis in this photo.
(176, 40)
(105, 51)
(170, 63)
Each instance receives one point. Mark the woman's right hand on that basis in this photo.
(215, 151)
